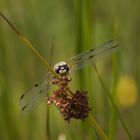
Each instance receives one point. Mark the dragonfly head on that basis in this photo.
(61, 68)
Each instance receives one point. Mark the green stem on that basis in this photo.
(25, 40)
(113, 115)
(113, 105)
(98, 127)
(47, 122)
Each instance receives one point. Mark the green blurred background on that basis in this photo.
(73, 26)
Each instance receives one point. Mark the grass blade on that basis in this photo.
(113, 104)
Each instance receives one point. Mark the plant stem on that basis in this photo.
(113, 104)
(28, 44)
(98, 127)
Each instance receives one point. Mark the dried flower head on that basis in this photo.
(71, 105)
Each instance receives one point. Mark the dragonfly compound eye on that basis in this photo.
(61, 68)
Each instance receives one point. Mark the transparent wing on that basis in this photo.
(93, 55)
(35, 95)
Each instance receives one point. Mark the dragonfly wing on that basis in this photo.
(93, 55)
(35, 95)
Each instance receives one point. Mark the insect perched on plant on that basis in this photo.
(71, 105)
(34, 96)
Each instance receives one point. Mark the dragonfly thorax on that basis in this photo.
(61, 68)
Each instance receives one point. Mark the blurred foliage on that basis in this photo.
(74, 26)
(127, 91)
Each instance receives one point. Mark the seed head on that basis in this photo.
(71, 105)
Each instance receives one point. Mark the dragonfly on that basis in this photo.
(34, 96)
